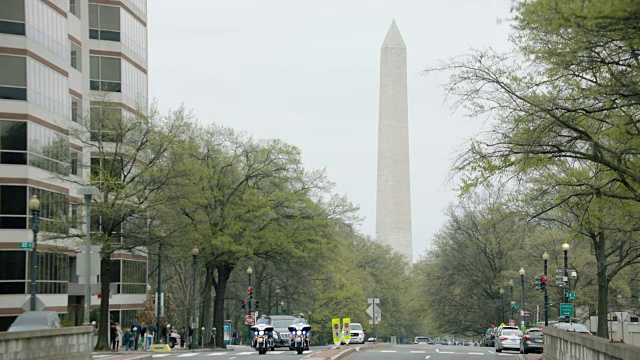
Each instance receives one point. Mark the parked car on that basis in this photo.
(357, 334)
(508, 338)
(489, 337)
(35, 320)
(371, 340)
(281, 335)
(532, 341)
(580, 328)
(421, 340)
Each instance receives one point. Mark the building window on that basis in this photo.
(54, 210)
(12, 17)
(134, 277)
(76, 162)
(13, 273)
(105, 74)
(104, 22)
(13, 207)
(74, 7)
(13, 142)
(48, 150)
(76, 56)
(106, 124)
(74, 216)
(52, 273)
(13, 77)
(76, 109)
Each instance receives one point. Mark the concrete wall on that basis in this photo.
(566, 345)
(67, 343)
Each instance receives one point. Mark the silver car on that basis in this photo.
(508, 339)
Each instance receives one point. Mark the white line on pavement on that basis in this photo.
(231, 358)
(388, 351)
(447, 352)
(476, 353)
(247, 353)
(275, 352)
(188, 355)
(307, 352)
(216, 353)
(159, 355)
(437, 350)
(417, 352)
(428, 356)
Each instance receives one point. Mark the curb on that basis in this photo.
(342, 353)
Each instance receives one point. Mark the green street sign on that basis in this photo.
(26, 245)
(571, 296)
(566, 309)
(516, 306)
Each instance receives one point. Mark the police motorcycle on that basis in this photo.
(300, 334)
(262, 336)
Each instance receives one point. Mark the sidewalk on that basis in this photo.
(530, 357)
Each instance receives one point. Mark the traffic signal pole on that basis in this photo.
(546, 298)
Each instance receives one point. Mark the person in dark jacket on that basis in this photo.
(113, 332)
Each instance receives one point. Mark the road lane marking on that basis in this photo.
(437, 350)
(427, 357)
(188, 355)
(275, 352)
(389, 351)
(476, 353)
(446, 352)
(417, 352)
(247, 353)
(216, 353)
(231, 358)
(159, 355)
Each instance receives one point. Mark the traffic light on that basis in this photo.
(244, 304)
(538, 282)
(543, 283)
(250, 291)
(257, 304)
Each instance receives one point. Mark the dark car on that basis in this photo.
(281, 335)
(489, 337)
(532, 341)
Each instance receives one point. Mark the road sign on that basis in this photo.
(512, 322)
(249, 320)
(566, 309)
(373, 301)
(571, 295)
(374, 311)
(337, 337)
(27, 304)
(526, 313)
(516, 306)
(26, 245)
(346, 329)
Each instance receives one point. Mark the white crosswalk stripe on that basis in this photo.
(247, 353)
(418, 352)
(159, 355)
(217, 353)
(476, 353)
(188, 355)
(388, 351)
(275, 352)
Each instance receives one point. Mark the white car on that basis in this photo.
(357, 334)
(508, 338)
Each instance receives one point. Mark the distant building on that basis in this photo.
(55, 55)
(393, 202)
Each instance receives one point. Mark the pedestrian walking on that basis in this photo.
(136, 333)
(119, 337)
(113, 333)
(234, 337)
(127, 338)
(183, 336)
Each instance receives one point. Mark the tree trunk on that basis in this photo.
(104, 322)
(224, 272)
(206, 303)
(603, 284)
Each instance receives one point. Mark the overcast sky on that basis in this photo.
(307, 72)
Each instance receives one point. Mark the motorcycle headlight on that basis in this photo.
(299, 332)
(256, 333)
(304, 333)
(261, 333)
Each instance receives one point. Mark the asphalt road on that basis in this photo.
(433, 352)
(238, 352)
(380, 352)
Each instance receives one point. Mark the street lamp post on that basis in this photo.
(87, 191)
(522, 272)
(565, 249)
(34, 206)
(502, 302)
(159, 304)
(545, 258)
(249, 272)
(194, 343)
(511, 303)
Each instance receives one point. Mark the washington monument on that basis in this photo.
(393, 202)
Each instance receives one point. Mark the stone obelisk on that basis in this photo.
(393, 202)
